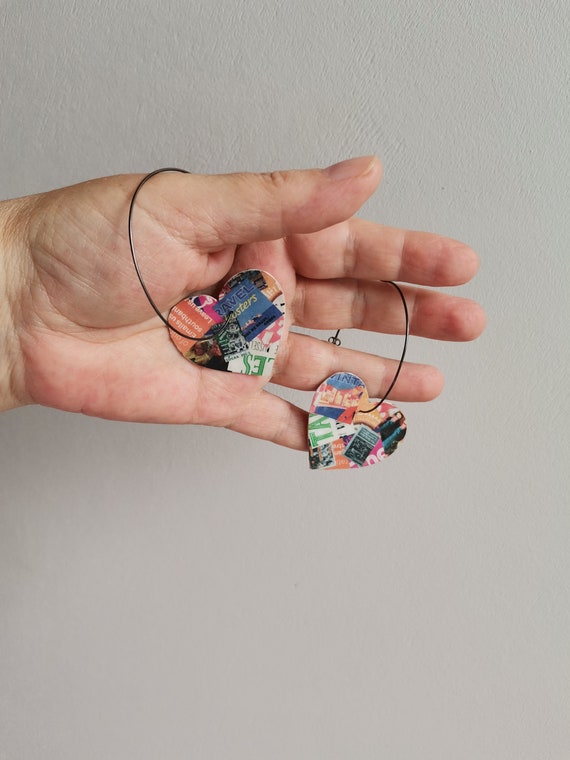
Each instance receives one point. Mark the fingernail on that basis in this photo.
(352, 167)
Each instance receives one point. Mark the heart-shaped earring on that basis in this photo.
(344, 432)
(239, 331)
(346, 428)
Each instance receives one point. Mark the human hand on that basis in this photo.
(79, 335)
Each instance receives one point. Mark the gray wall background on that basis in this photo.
(190, 593)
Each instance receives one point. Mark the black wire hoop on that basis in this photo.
(150, 299)
(335, 340)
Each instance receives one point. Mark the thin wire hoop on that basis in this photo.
(150, 299)
(334, 339)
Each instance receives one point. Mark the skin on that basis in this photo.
(77, 333)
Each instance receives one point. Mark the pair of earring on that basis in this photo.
(240, 332)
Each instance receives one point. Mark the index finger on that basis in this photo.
(363, 250)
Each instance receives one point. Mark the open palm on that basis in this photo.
(90, 342)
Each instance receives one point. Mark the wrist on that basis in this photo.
(12, 278)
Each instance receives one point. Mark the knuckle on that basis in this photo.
(277, 179)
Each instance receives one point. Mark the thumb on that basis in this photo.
(234, 209)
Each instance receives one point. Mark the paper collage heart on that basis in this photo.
(239, 331)
(341, 434)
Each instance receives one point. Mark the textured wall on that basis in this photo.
(190, 593)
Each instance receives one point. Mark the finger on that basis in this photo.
(304, 362)
(271, 418)
(232, 209)
(103, 381)
(338, 304)
(364, 250)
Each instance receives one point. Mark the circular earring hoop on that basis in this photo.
(150, 299)
(335, 340)
(346, 430)
(239, 331)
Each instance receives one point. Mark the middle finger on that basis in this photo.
(365, 250)
(376, 306)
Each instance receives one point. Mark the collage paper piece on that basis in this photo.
(238, 332)
(342, 435)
